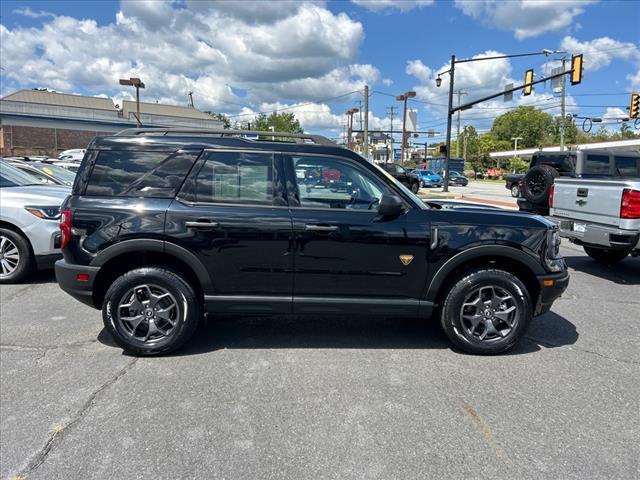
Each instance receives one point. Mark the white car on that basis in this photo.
(29, 217)
(73, 155)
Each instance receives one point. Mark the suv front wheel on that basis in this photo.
(151, 311)
(486, 312)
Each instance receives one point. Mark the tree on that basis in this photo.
(570, 131)
(226, 123)
(518, 165)
(281, 122)
(533, 125)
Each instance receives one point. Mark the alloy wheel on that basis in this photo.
(147, 313)
(489, 313)
(9, 257)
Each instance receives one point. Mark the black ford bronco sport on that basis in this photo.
(164, 226)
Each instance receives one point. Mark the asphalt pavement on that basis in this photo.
(325, 398)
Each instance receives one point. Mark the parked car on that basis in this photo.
(408, 179)
(74, 154)
(456, 178)
(29, 231)
(512, 182)
(71, 166)
(602, 215)
(46, 173)
(161, 228)
(428, 178)
(545, 167)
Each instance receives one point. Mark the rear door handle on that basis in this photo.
(321, 228)
(201, 223)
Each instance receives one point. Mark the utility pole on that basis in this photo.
(562, 106)
(359, 102)
(447, 158)
(350, 113)
(366, 122)
(464, 148)
(404, 97)
(460, 93)
(190, 99)
(391, 112)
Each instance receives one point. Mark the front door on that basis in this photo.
(347, 256)
(232, 215)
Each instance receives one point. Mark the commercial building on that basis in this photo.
(40, 122)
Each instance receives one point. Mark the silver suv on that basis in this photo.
(29, 231)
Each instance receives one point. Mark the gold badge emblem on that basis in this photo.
(406, 259)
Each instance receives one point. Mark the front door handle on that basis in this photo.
(321, 228)
(201, 223)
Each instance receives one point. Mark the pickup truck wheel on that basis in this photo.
(515, 190)
(16, 260)
(486, 312)
(605, 255)
(151, 311)
(537, 183)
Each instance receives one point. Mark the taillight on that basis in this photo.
(630, 205)
(65, 227)
(551, 195)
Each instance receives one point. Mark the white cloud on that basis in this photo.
(385, 5)
(614, 113)
(526, 18)
(28, 12)
(303, 52)
(387, 82)
(600, 52)
(419, 70)
(634, 80)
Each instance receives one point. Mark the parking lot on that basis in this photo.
(325, 397)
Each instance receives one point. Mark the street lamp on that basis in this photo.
(451, 72)
(403, 98)
(135, 82)
(515, 147)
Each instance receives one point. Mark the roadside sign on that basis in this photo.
(509, 95)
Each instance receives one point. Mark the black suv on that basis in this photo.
(164, 226)
(404, 176)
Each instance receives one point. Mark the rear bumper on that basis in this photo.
(527, 206)
(598, 235)
(551, 288)
(67, 278)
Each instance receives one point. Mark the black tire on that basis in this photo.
(14, 269)
(188, 311)
(415, 187)
(515, 190)
(451, 312)
(605, 255)
(537, 184)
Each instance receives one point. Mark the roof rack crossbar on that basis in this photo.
(221, 132)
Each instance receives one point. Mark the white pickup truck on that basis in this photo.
(601, 214)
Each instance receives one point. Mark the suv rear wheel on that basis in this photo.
(16, 260)
(151, 311)
(415, 186)
(486, 312)
(537, 184)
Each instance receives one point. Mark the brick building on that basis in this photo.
(37, 122)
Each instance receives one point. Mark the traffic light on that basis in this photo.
(576, 69)
(528, 78)
(634, 106)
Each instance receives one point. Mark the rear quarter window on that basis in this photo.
(139, 173)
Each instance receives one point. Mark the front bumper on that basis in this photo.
(77, 280)
(552, 286)
(599, 235)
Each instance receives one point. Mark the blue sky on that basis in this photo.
(241, 58)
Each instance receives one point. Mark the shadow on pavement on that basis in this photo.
(40, 277)
(550, 330)
(627, 272)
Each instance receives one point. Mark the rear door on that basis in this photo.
(347, 256)
(232, 214)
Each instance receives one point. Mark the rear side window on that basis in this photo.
(139, 174)
(596, 165)
(627, 166)
(236, 177)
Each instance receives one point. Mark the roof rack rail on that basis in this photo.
(221, 132)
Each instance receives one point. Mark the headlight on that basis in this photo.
(553, 259)
(46, 213)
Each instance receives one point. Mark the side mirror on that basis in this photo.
(390, 205)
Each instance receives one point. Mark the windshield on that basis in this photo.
(11, 176)
(404, 189)
(65, 176)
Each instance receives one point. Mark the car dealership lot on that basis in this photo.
(325, 397)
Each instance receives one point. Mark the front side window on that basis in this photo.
(333, 183)
(236, 177)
